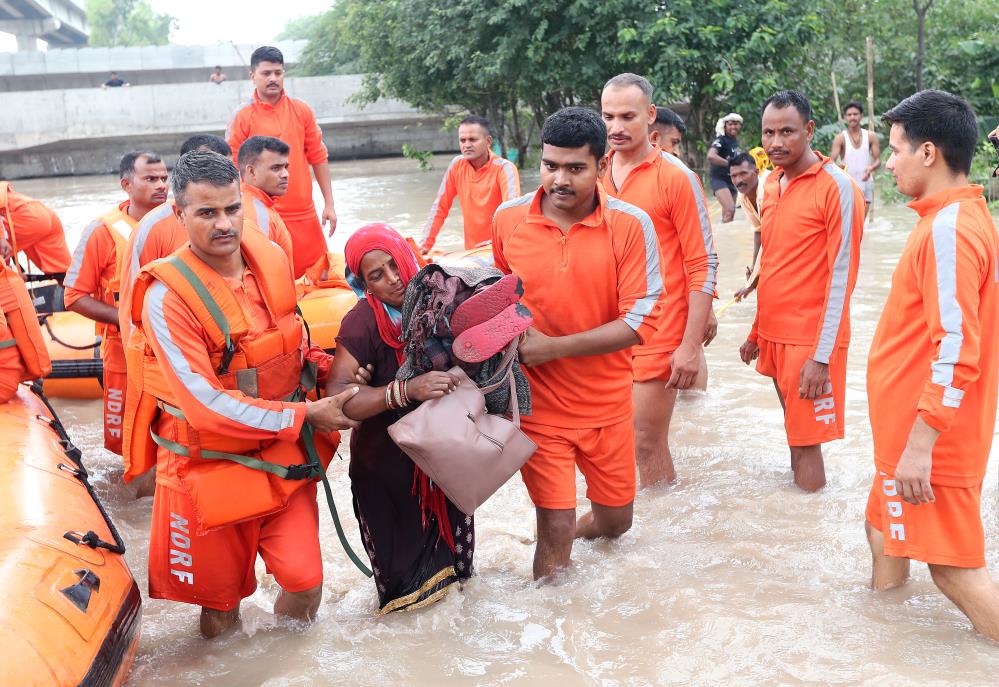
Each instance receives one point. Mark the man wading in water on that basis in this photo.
(593, 281)
(933, 369)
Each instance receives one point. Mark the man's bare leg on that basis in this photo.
(973, 591)
(727, 202)
(887, 572)
(653, 404)
(299, 605)
(867, 210)
(145, 484)
(214, 623)
(556, 528)
(701, 381)
(605, 521)
(806, 461)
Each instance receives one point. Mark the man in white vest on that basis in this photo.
(860, 151)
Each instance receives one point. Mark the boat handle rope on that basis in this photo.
(89, 538)
(44, 321)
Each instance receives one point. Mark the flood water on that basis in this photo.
(730, 577)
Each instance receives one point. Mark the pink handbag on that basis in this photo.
(466, 452)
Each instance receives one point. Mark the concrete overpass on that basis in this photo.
(59, 23)
(86, 131)
(70, 68)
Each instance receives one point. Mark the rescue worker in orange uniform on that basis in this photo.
(593, 282)
(92, 280)
(263, 168)
(271, 112)
(217, 374)
(933, 369)
(23, 354)
(158, 235)
(644, 175)
(812, 223)
(29, 226)
(479, 178)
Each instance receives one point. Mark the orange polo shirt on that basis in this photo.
(935, 353)
(809, 258)
(605, 268)
(158, 235)
(95, 260)
(672, 196)
(479, 191)
(258, 208)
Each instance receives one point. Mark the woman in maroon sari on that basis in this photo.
(419, 543)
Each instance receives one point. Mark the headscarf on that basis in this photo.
(730, 117)
(381, 237)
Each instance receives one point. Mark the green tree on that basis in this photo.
(127, 23)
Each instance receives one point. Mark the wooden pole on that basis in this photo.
(870, 102)
(839, 113)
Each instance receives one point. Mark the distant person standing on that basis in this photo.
(860, 151)
(114, 82)
(723, 149)
(479, 178)
(271, 112)
(217, 76)
(668, 131)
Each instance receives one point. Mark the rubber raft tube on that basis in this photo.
(70, 609)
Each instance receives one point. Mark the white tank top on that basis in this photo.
(857, 159)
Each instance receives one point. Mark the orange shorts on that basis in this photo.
(216, 570)
(115, 383)
(308, 243)
(605, 456)
(946, 532)
(649, 364)
(39, 233)
(807, 422)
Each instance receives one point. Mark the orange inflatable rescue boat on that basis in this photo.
(70, 613)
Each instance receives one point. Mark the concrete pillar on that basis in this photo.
(26, 43)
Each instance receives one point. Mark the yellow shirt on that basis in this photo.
(753, 213)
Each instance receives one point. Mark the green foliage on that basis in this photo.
(515, 61)
(300, 28)
(127, 23)
(424, 157)
(329, 51)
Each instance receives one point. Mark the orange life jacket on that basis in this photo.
(326, 273)
(22, 321)
(228, 479)
(119, 226)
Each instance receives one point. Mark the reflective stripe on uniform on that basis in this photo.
(81, 250)
(653, 278)
(833, 317)
(703, 219)
(951, 319)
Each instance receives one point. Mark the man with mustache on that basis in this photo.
(271, 112)
(593, 281)
(812, 222)
(644, 175)
(479, 178)
(217, 404)
(750, 182)
(263, 169)
(92, 281)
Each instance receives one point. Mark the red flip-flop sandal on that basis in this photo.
(486, 339)
(487, 303)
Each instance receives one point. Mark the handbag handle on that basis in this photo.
(505, 373)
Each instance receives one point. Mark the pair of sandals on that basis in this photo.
(486, 323)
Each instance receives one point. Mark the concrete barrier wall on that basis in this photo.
(76, 131)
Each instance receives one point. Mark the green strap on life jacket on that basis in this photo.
(213, 308)
(7, 343)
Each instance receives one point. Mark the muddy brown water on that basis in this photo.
(730, 577)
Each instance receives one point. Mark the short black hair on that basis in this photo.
(575, 127)
(944, 119)
(741, 159)
(211, 142)
(218, 66)
(200, 167)
(481, 121)
(126, 168)
(666, 117)
(265, 53)
(853, 104)
(782, 99)
(254, 145)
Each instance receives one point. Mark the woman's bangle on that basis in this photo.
(388, 397)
